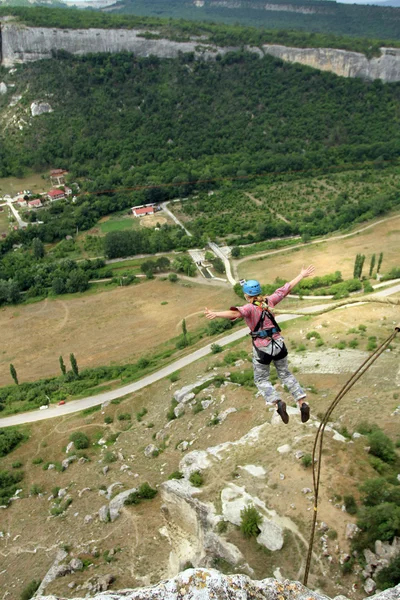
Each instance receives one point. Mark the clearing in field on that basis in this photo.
(111, 327)
(330, 255)
(12, 185)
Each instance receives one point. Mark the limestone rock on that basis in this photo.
(3, 88)
(150, 450)
(69, 447)
(351, 530)
(183, 446)
(105, 470)
(67, 461)
(185, 394)
(104, 514)
(179, 410)
(284, 449)
(226, 412)
(76, 564)
(369, 586)
(88, 519)
(118, 502)
(40, 108)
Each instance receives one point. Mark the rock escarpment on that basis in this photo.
(204, 584)
(21, 44)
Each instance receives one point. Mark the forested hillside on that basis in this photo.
(303, 15)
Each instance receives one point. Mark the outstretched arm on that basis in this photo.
(305, 272)
(223, 314)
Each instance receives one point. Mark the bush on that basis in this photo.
(222, 526)
(353, 343)
(380, 467)
(380, 522)
(9, 485)
(145, 492)
(390, 575)
(170, 413)
(176, 475)
(17, 464)
(381, 446)
(108, 420)
(173, 277)
(37, 461)
(196, 479)
(250, 521)
(109, 457)
(371, 345)
(139, 415)
(30, 590)
(174, 377)
(350, 504)
(36, 489)
(80, 439)
(9, 440)
(306, 460)
(215, 348)
(124, 417)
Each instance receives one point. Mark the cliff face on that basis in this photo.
(343, 63)
(20, 44)
(203, 584)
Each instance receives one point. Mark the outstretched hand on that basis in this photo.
(307, 272)
(209, 313)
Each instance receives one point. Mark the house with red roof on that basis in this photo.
(35, 203)
(55, 194)
(143, 209)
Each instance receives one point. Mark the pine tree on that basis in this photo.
(360, 268)
(379, 262)
(355, 270)
(74, 364)
(62, 366)
(371, 266)
(184, 332)
(14, 374)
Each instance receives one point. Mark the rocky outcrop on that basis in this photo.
(201, 584)
(21, 44)
(342, 62)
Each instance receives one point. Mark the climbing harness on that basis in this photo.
(319, 438)
(258, 331)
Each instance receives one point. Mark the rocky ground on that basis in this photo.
(75, 534)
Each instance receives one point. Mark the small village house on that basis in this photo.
(55, 194)
(143, 209)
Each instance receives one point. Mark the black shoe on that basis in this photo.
(281, 410)
(305, 412)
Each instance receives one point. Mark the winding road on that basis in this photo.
(78, 405)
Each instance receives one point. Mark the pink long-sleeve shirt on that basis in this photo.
(252, 313)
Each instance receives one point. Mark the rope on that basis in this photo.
(319, 438)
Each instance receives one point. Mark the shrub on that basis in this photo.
(380, 522)
(371, 345)
(54, 491)
(173, 277)
(9, 485)
(30, 590)
(216, 348)
(380, 467)
(197, 407)
(301, 348)
(9, 440)
(174, 377)
(196, 479)
(17, 464)
(353, 343)
(341, 345)
(313, 334)
(170, 413)
(142, 412)
(306, 460)
(362, 328)
(381, 446)
(176, 475)
(222, 526)
(37, 461)
(390, 575)
(109, 457)
(250, 521)
(124, 417)
(36, 489)
(350, 504)
(108, 420)
(80, 439)
(145, 492)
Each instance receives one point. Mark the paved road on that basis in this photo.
(217, 250)
(21, 223)
(174, 218)
(77, 405)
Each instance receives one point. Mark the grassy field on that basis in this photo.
(12, 185)
(109, 327)
(330, 255)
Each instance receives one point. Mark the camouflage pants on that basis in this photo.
(264, 385)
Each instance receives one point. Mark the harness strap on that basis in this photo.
(258, 332)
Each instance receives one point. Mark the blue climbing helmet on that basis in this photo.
(252, 287)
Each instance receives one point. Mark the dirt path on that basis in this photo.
(317, 241)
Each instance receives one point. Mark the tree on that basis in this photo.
(74, 364)
(378, 269)
(62, 365)
(173, 277)
(235, 253)
(14, 374)
(184, 333)
(37, 248)
(371, 266)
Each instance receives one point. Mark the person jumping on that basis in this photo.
(268, 343)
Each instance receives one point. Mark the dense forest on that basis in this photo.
(384, 29)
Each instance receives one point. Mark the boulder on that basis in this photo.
(369, 586)
(284, 449)
(150, 450)
(40, 108)
(351, 530)
(118, 502)
(183, 395)
(104, 514)
(179, 410)
(88, 519)
(3, 88)
(76, 564)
